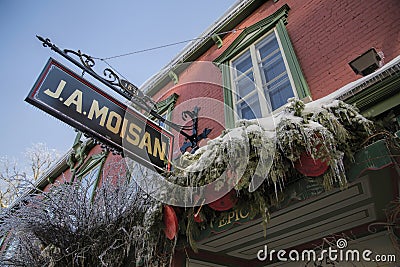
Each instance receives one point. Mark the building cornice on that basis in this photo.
(375, 93)
(227, 22)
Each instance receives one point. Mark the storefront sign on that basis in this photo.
(70, 98)
(228, 219)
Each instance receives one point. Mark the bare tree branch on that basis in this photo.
(62, 227)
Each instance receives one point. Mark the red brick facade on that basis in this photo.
(327, 35)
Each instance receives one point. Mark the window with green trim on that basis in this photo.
(260, 79)
(260, 70)
(90, 172)
(89, 181)
(160, 123)
(165, 108)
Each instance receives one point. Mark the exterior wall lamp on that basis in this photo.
(366, 63)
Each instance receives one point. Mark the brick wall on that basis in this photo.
(326, 36)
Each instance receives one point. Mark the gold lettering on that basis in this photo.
(114, 128)
(245, 215)
(94, 110)
(222, 221)
(237, 215)
(231, 215)
(146, 141)
(158, 150)
(57, 93)
(76, 99)
(132, 128)
(123, 129)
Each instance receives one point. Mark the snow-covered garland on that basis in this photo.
(274, 150)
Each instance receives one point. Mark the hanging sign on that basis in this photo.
(72, 99)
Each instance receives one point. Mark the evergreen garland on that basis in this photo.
(329, 132)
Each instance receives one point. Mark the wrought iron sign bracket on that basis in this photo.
(126, 89)
(194, 139)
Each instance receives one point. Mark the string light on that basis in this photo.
(166, 45)
(158, 47)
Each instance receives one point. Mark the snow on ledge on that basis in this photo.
(356, 86)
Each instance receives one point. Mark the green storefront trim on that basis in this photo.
(382, 95)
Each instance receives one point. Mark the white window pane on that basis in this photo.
(268, 46)
(245, 85)
(249, 109)
(279, 92)
(161, 123)
(89, 181)
(242, 64)
(274, 73)
(268, 71)
(273, 68)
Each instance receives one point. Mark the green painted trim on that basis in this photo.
(252, 33)
(94, 160)
(217, 40)
(167, 104)
(372, 157)
(382, 106)
(294, 65)
(249, 36)
(90, 164)
(228, 96)
(77, 157)
(377, 98)
(172, 75)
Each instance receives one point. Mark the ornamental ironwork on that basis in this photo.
(132, 93)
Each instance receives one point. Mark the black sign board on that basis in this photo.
(70, 98)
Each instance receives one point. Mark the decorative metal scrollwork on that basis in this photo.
(127, 90)
(192, 114)
(372, 228)
(113, 78)
(86, 60)
(192, 141)
(46, 42)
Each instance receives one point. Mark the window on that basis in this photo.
(89, 181)
(260, 70)
(161, 123)
(89, 173)
(260, 79)
(164, 108)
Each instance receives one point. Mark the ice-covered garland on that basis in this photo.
(270, 148)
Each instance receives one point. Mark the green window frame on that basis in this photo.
(165, 108)
(247, 40)
(90, 173)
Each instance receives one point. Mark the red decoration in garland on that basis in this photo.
(170, 222)
(311, 167)
(226, 202)
(197, 218)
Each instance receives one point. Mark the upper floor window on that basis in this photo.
(89, 174)
(160, 123)
(164, 108)
(260, 79)
(260, 70)
(89, 181)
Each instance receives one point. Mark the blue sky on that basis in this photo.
(98, 28)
